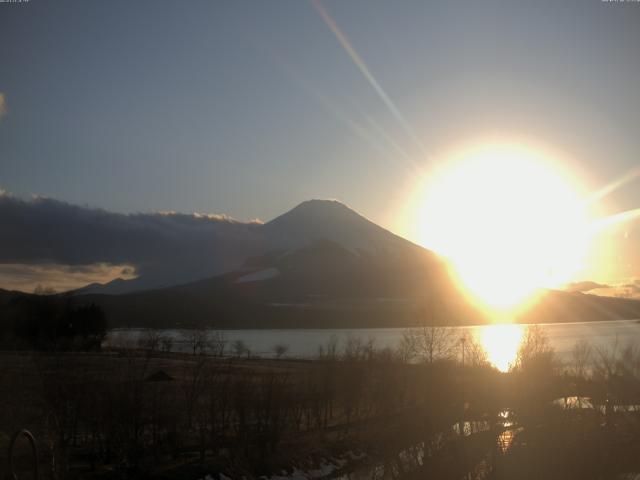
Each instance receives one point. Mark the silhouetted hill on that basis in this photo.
(7, 295)
(320, 285)
(558, 306)
(326, 286)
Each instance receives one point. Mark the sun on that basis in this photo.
(508, 220)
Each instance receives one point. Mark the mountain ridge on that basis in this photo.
(308, 222)
(318, 265)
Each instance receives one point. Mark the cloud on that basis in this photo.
(163, 248)
(3, 105)
(629, 289)
(25, 277)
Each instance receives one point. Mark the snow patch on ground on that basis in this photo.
(259, 276)
(324, 470)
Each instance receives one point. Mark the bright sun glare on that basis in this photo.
(501, 343)
(509, 222)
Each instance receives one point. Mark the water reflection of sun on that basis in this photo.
(501, 342)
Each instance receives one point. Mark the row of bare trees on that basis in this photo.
(129, 412)
(426, 344)
(197, 341)
(141, 407)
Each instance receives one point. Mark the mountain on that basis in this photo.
(319, 265)
(320, 285)
(234, 243)
(318, 220)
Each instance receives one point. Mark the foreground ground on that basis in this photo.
(365, 414)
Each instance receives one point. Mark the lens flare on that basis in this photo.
(509, 222)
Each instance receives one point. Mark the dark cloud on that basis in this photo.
(161, 247)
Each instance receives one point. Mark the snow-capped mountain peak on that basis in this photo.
(331, 220)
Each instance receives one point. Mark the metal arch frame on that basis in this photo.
(34, 451)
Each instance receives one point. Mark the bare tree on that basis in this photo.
(240, 348)
(535, 379)
(150, 340)
(630, 359)
(197, 339)
(357, 349)
(217, 343)
(280, 349)
(535, 351)
(427, 343)
(167, 343)
(271, 407)
(329, 351)
(471, 351)
(581, 355)
(193, 386)
(406, 348)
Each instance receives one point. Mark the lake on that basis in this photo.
(500, 341)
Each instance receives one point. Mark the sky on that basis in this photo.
(248, 108)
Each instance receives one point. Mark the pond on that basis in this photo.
(500, 341)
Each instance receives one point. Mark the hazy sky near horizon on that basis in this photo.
(248, 108)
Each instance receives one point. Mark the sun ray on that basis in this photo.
(615, 219)
(364, 69)
(417, 171)
(614, 185)
(331, 107)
